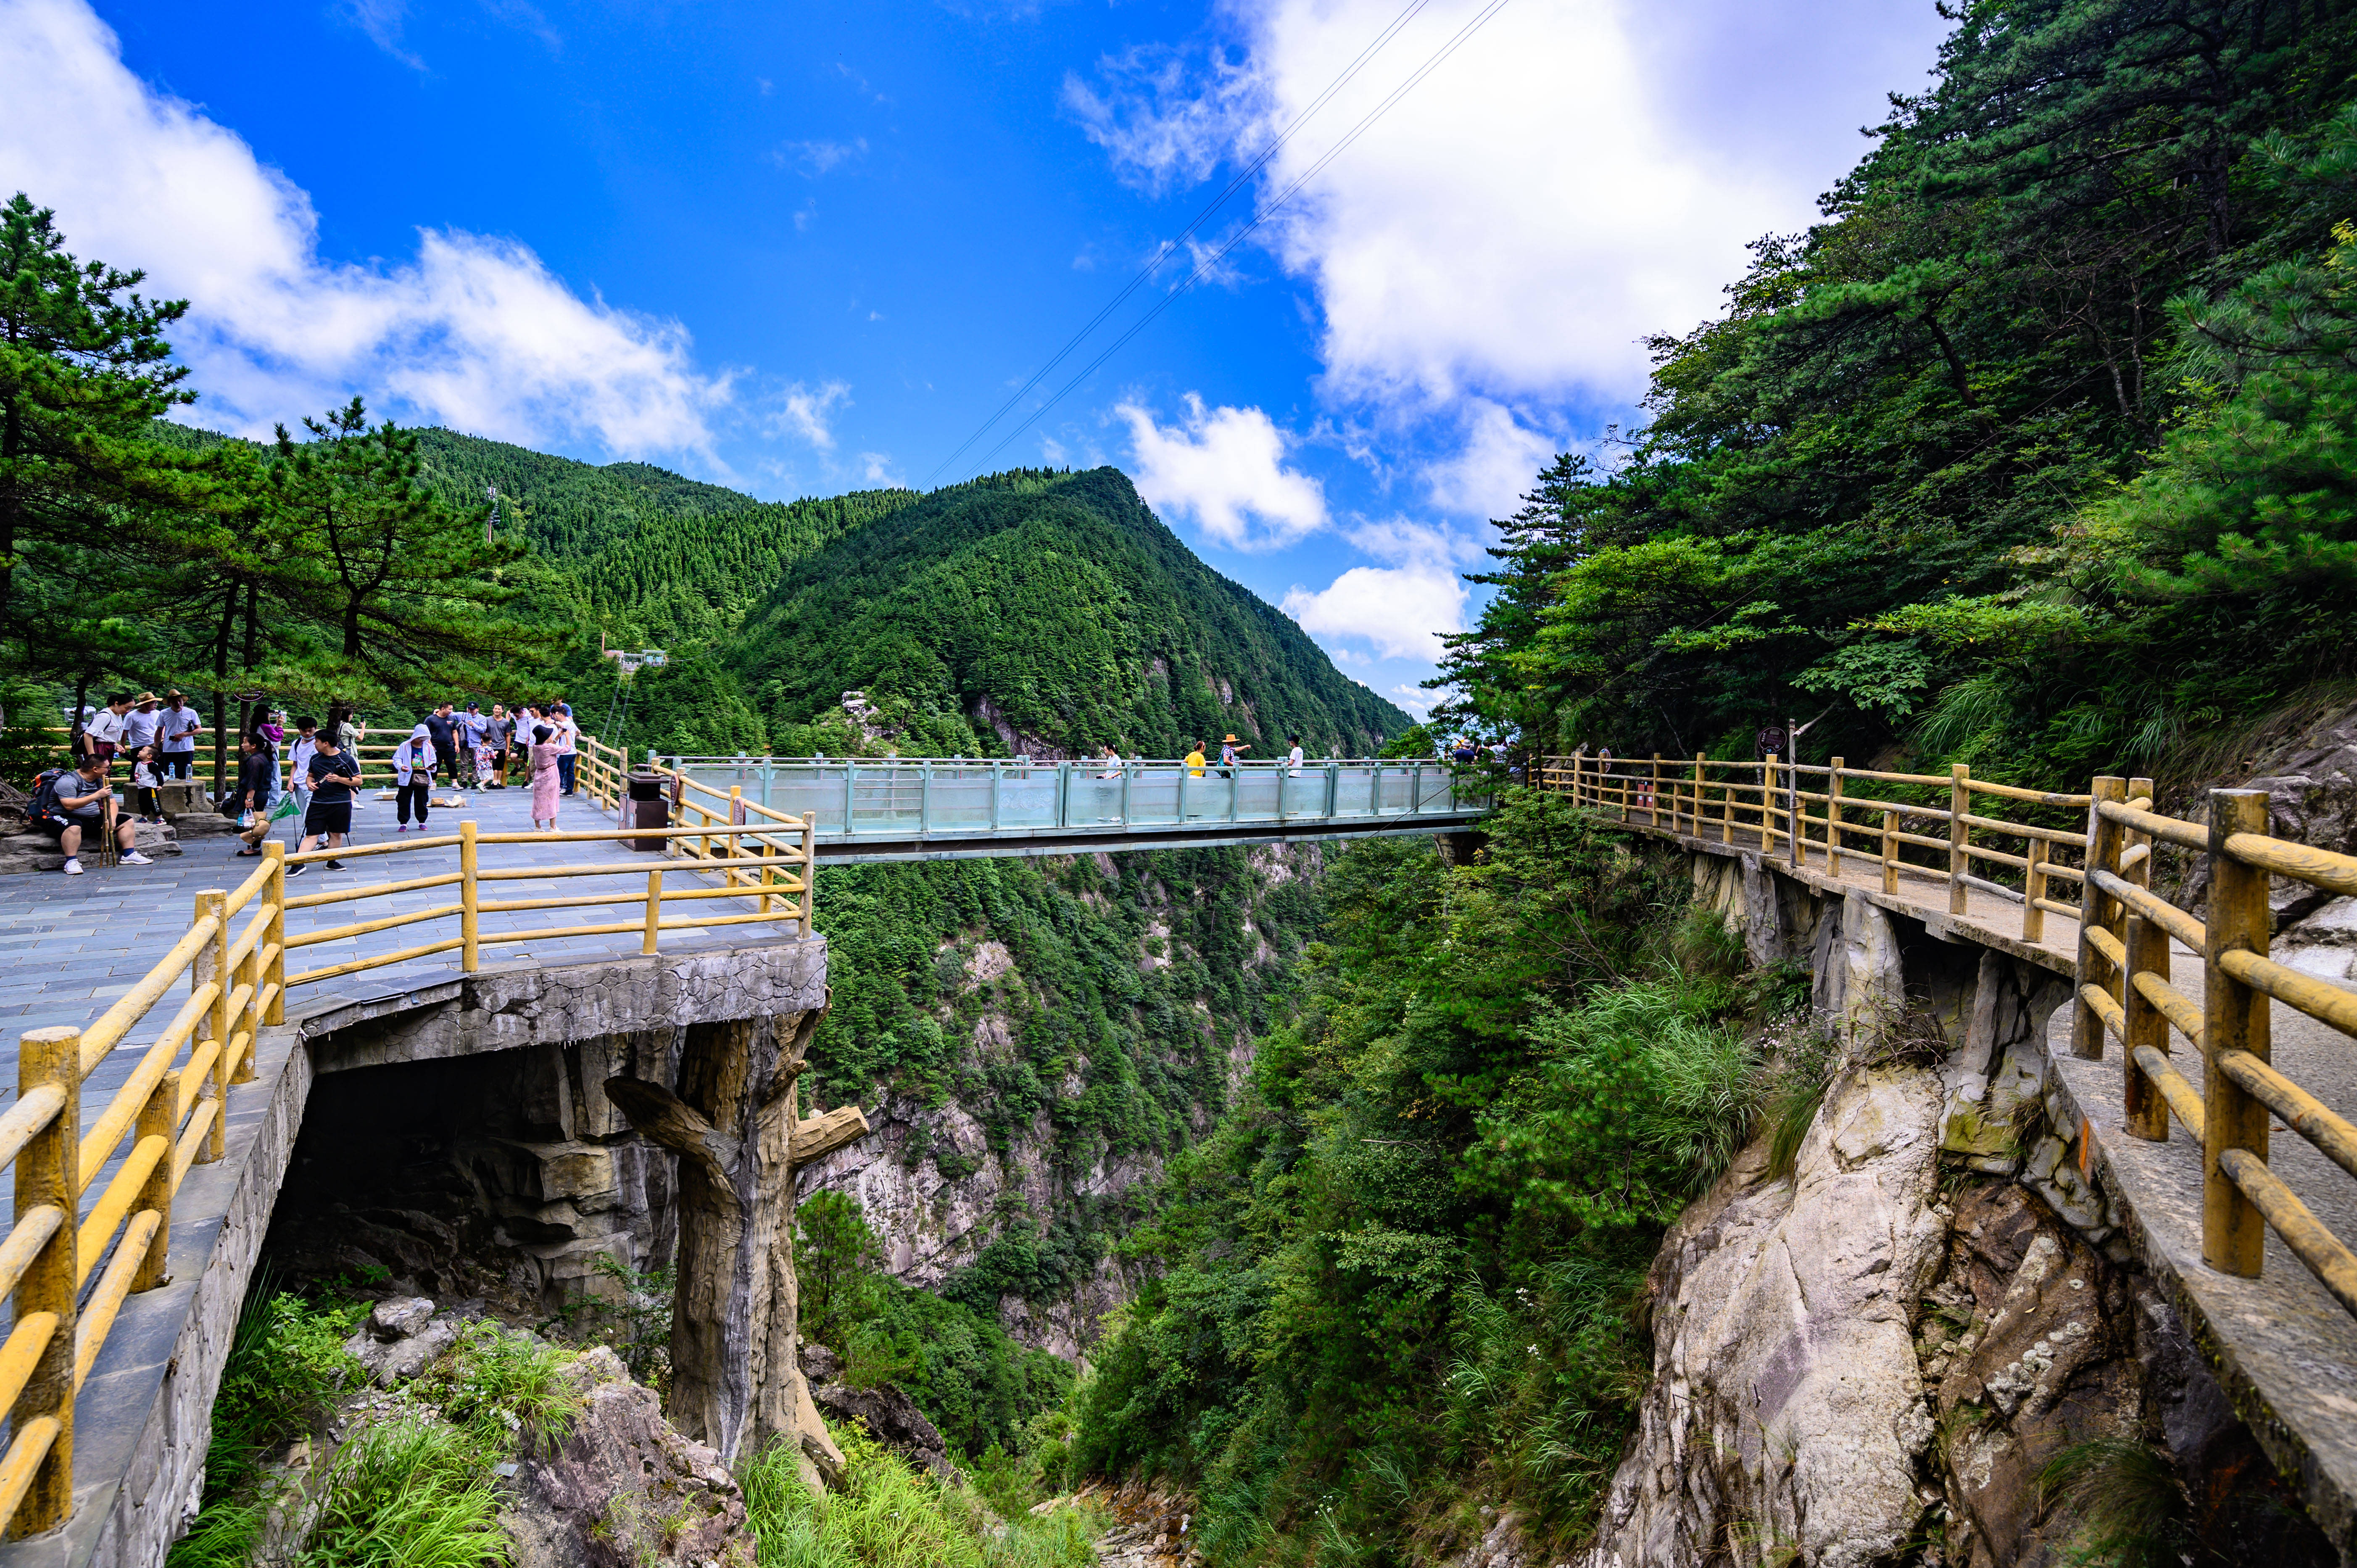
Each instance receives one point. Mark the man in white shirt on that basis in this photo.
(141, 725)
(178, 724)
(567, 733)
(1293, 759)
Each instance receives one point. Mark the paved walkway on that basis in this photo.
(70, 945)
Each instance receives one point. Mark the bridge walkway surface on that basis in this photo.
(2283, 1346)
(72, 948)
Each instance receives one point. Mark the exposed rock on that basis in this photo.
(403, 1337)
(1152, 1528)
(625, 1490)
(1786, 1403)
(890, 1416)
(1504, 1544)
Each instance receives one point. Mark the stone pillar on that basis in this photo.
(735, 1379)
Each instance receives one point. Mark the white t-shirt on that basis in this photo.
(106, 726)
(180, 728)
(1293, 761)
(299, 762)
(139, 729)
(565, 730)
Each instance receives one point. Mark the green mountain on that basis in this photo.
(1047, 609)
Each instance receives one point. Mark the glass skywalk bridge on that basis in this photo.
(954, 808)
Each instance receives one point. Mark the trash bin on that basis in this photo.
(646, 808)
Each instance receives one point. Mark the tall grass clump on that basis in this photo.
(888, 1515)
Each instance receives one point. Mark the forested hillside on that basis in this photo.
(1047, 609)
(2033, 453)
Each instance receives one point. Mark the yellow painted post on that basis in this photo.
(213, 964)
(2094, 905)
(1960, 864)
(274, 857)
(2033, 888)
(654, 909)
(1698, 788)
(2145, 1113)
(1726, 809)
(159, 1117)
(49, 1171)
(1768, 805)
(736, 820)
(1653, 794)
(2233, 1018)
(470, 951)
(1890, 852)
(809, 868)
(249, 1019)
(1833, 816)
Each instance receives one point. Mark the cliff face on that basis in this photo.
(1878, 1358)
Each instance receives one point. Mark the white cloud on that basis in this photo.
(875, 467)
(1507, 229)
(816, 158)
(382, 20)
(1224, 469)
(1400, 610)
(475, 332)
(803, 412)
(1494, 467)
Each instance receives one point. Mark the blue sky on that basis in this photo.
(802, 249)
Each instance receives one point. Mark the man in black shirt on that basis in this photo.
(333, 775)
(443, 730)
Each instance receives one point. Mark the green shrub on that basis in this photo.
(412, 1492)
(886, 1515)
(504, 1389)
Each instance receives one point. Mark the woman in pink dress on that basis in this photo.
(543, 779)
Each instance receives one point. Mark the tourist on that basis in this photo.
(73, 802)
(1195, 760)
(567, 735)
(1230, 753)
(470, 742)
(104, 731)
(298, 768)
(1293, 758)
(545, 778)
(412, 778)
(177, 727)
(1111, 760)
(141, 725)
(144, 806)
(272, 728)
(499, 731)
(257, 782)
(444, 731)
(332, 775)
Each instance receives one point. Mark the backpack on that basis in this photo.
(45, 794)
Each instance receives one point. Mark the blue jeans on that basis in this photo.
(565, 771)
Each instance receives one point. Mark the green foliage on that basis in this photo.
(503, 1389)
(1401, 1270)
(982, 1389)
(888, 1515)
(1947, 462)
(1054, 605)
(409, 1492)
(2126, 1506)
(286, 1365)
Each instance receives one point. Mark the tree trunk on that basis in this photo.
(736, 1382)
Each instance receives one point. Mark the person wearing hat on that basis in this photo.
(1229, 754)
(177, 727)
(141, 725)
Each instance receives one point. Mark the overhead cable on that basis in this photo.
(1163, 251)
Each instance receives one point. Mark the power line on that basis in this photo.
(1308, 173)
(1162, 254)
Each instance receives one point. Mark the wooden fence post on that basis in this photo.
(1960, 800)
(1833, 820)
(1890, 852)
(159, 1117)
(48, 1173)
(211, 965)
(1698, 788)
(249, 1019)
(2033, 888)
(2094, 969)
(1768, 806)
(274, 857)
(1726, 809)
(2233, 1018)
(470, 949)
(809, 869)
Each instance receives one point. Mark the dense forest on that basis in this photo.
(1048, 609)
(2033, 453)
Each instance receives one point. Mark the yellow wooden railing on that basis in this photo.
(2122, 960)
(173, 1105)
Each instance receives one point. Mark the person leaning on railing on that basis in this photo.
(73, 802)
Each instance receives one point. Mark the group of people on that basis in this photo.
(156, 738)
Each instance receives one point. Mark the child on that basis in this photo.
(333, 775)
(145, 805)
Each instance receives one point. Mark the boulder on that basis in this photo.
(402, 1338)
(625, 1490)
(890, 1416)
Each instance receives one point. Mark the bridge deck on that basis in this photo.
(2283, 1348)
